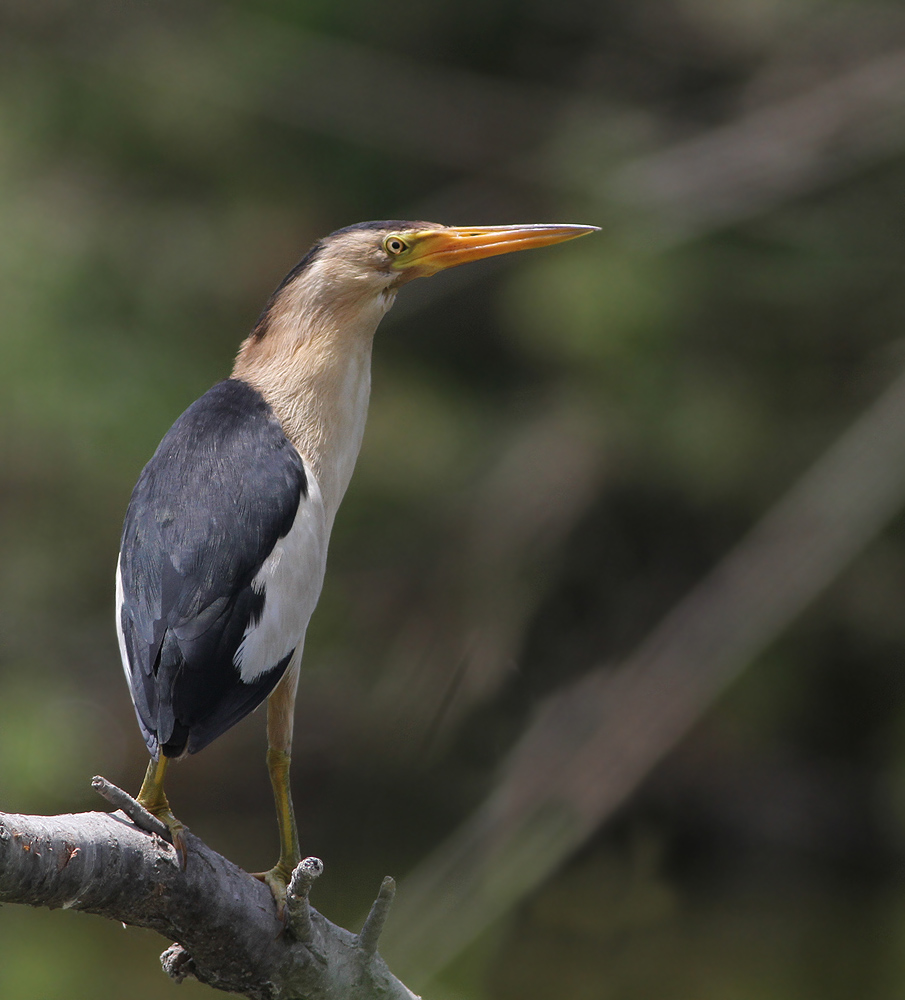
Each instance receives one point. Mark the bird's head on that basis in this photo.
(349, 279)
(309, 353)
(391, 253)
(372, 259)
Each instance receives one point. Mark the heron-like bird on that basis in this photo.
(225, 539)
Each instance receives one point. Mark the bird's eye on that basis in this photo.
(395, 245)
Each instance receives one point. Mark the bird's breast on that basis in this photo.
(346, 430)
(324, 416)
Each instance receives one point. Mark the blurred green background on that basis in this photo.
(560, 445)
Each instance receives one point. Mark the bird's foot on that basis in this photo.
(277, 880)
(153, 798)
(176, 829)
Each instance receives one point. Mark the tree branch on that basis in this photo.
(223, 920)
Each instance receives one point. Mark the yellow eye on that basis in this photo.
(395, 245)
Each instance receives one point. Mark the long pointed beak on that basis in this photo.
(435, 250)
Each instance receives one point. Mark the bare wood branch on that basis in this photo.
(131, 807)
(223, 920)
(303, 877)
(377, 918)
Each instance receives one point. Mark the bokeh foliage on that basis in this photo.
(657, 386)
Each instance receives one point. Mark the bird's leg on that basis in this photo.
(154, 799)
(280, 709)
(278, 764)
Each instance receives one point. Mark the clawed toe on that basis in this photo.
(177, 835)
(277, 881)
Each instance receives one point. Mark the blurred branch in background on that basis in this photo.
(593, 743)
(500, 131)
(405, 107)
(475, 605)
(508, 139)
(767, 157)
(786, 149)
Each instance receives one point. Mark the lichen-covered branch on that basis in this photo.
(222, 920)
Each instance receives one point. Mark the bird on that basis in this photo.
(224, 543)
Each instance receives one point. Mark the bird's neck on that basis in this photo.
(313, 366)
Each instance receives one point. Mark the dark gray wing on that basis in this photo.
(223, 487)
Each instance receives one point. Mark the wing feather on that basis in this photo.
(224, 486)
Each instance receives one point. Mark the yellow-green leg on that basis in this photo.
(154, 799)
(279, 739)
(278, 877)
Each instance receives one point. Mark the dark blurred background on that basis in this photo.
(561, 446)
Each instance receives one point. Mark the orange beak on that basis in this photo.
(433, 250)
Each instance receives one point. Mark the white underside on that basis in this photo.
(291, 579)
(120, 634)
